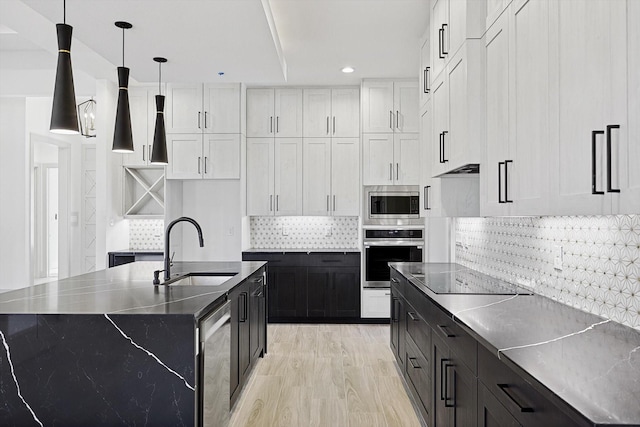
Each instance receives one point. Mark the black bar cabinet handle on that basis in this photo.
(414, 363)
(443, 329)
(444, 52)
(199, 113)
(412, 316)
(205, 119)
(448, 399)
(443, 379)
(441, 147)
(440, 42)
(426, 198)
(609, 188)
(506, 181)
(444, 158)
(594, 134)
(500, 182)
(521, 407)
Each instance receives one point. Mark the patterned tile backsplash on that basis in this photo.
(304, 232)
(146, 234)
(600, 270)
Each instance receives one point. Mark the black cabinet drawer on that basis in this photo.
(456, 338)
(333, 259)
(418, 378)
(491, 413)
(524, 402)
(277, 259)
(418, 329)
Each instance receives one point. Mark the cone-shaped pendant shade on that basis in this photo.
(122, 135)
(64, 116)
(159, 150)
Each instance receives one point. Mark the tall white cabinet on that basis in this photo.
(203, 125)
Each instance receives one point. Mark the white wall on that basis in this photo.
(14, 195)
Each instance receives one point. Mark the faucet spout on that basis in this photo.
(167, 242)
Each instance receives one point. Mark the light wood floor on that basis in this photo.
(325, 375)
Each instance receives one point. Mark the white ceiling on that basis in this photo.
(259, 42)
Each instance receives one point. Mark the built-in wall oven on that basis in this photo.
(382, 246)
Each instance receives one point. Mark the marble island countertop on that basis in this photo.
(591, 363)
(127, 289)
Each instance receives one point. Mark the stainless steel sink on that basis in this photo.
(201, 280)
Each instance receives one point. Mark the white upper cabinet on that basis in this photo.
(208, 108)
(389, 106)
(589, 106)
(331, 112)
(391, 159)
(316, 178)
(274, 113)
(143, 113)
(185, 156)
(459, 110)
(453, 22)
(212, 156)
(274, 176)
(424, 75)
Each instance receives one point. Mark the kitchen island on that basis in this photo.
(109, 347)
(509, 359)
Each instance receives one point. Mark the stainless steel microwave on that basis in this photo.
(391, 204)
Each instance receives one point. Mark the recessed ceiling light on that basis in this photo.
(348, 70)
(221, 73)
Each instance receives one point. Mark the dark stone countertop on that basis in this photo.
(127, 289)
(591, 363)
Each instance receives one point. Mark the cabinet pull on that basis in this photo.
(327, 125)
(412, 316)
(443, 379)
(506, 181)
(443, 329)
(199, 120)
(387, 294)
(609, 188)
(521, 408)
(414, 363)
(277, 202)
(448, 399)
(270, 202)
(205, 119)
(444, 27)
(444, 158)
(594, 135)
(277, 124)
(149, 152)
(334, 125)
(500, 182)
(394, 280)
(440, 147)
(270, 124)
(143, 150)
(426, 198)
(425, 83)
(397, 171)
(242, 313)
(397, 119)
(258, 280)
(199, 165)
(327, 203)
(205, 161)
(334, 202)
(390, 119)
(390, 171)
(440, 31)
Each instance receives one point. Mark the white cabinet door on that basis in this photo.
(376, 303)
(260, 114)
(316, 179)
(221, 156)
(629, 200)
(288, 176)
(221, 109)
(184, 112)
(142, 107)
(584, 73)
(345, 109)
(288, 113)
(456, 30)
(430, 203)
(377, 159)
(185, 156)
(497, 147)
(456, 141)
(440, 124)
(260, 175)
(425, 71)
(345, 176)
(377, 106)
(405, 101)
(439, 23)
(317, 112)
(406, 156)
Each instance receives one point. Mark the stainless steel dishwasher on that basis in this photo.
(214, 364)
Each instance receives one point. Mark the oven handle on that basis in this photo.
(412, 244)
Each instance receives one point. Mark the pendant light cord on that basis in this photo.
(64, 11)
(159, 78)
(123, 46)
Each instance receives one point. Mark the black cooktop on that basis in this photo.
(442, 279)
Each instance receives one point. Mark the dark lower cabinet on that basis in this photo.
(398, 320)
(248, 330)
(311, 285)
(491, 413)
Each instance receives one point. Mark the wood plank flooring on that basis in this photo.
(325, 375)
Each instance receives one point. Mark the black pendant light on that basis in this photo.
(64, 116)
(122, 135)
(159, 150)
